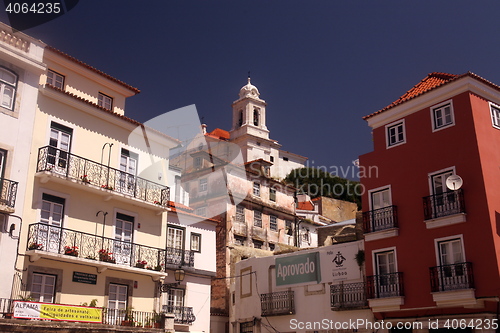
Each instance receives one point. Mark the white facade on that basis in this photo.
(20, 67)
(278, 292)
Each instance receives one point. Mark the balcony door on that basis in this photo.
(59, 148)
(50, 229)
(381, 217)
(441, 199)
(4, 195)
(175, 245)
(43, 287)
(386, 279)
(117, 303)
(175, 303)
(122, 249)
(128, 168)
(451, 262)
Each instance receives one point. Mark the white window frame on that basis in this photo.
(378, 189)
(400, 122)
(437, 241)
(195, 242)
(441, 106)
(122, 305)
(12, 86)
(275, 228)
(430, 175)
(105, 101)
(256, 189)
(203, 184)
(495, 116)
(387, 249)
(42, 294)
(237, 214)
(55, 79)
(255, 214)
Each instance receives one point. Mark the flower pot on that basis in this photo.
(127, 323)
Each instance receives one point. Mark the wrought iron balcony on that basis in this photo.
(278, 303)
(92, 173)
(348, 296)
(444, 204)
(380, 219)
(52, 239)
(182, 314)
(8, 191)
(452, 277)
(385, 285)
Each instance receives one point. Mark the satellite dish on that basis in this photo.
(454, 182)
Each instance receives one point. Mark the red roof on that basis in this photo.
(219, 134)
(305, 205)
(430, 82)
(109, 77)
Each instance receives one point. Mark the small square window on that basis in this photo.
(105, 101)
(55, 79)
(195, 242)
(203, 185)
(273, 222)
(442, 115)
(257, 218)
(239, 240)
(258, 244)
(495, 116)
(256, 189)
(395, 133)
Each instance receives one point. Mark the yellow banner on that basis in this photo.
(70, 313)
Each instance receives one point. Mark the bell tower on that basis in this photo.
(249, 114)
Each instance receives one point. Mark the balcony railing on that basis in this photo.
(182, 314)
(452, 277)
(52, 239)
(444, 204)
(278, 303)
(127, 317)
(380, 219)
(89, 172)
(385, 285)
(347, 296)
(8, 191)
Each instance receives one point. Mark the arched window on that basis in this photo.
(8, 84)
(240, 121)
(256, 117)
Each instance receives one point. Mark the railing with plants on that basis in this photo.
(8, 192)
(89, 172)
(129, 317)
(380, 219)
(182, 314)
(444, 204)
(346, 296)
(452, 277)
(278, 303)
(48, 238)
(385, 285)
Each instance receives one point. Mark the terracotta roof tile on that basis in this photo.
(305, 205)
(109, 77)
(219, 134)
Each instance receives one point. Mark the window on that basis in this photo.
(105, 101)
(273, 222)
(8, 85)
(201, 211)
(442, 115)
(285, 158)
(246, 327)
(43, 287)
(203, 184)
(128, 166)
(272, 194)
(386, 279)
(256, 117)
(59, 147)
(495, 116)
(256, 189)
(289, 228)
(3, 161)
(239, 240)
(271, 158)
(395, 133)
(55, 79)
(240, 120)
(272, 246)
(257, 218)
(197, 162)
(450, 252)
(175, 302)
(175, 238)
(117, 298)
(51, 217)
(195, 242)
(240, 213)
(124, 229)
(452, 271)
(258, 244)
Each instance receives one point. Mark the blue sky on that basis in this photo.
(320, 65)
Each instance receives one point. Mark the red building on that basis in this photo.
(432, 250)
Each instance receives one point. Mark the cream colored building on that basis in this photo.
(21, 65)
(98, 221)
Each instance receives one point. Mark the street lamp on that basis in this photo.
(179, 275)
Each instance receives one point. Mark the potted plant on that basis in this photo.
(107, 187)
(35, 246)
(158, 268)
(140, 263)
(105, 255)
(157, 318)
(71, 251)
(85, 179)
(128, 320)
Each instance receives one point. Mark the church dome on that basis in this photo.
(249, 90)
